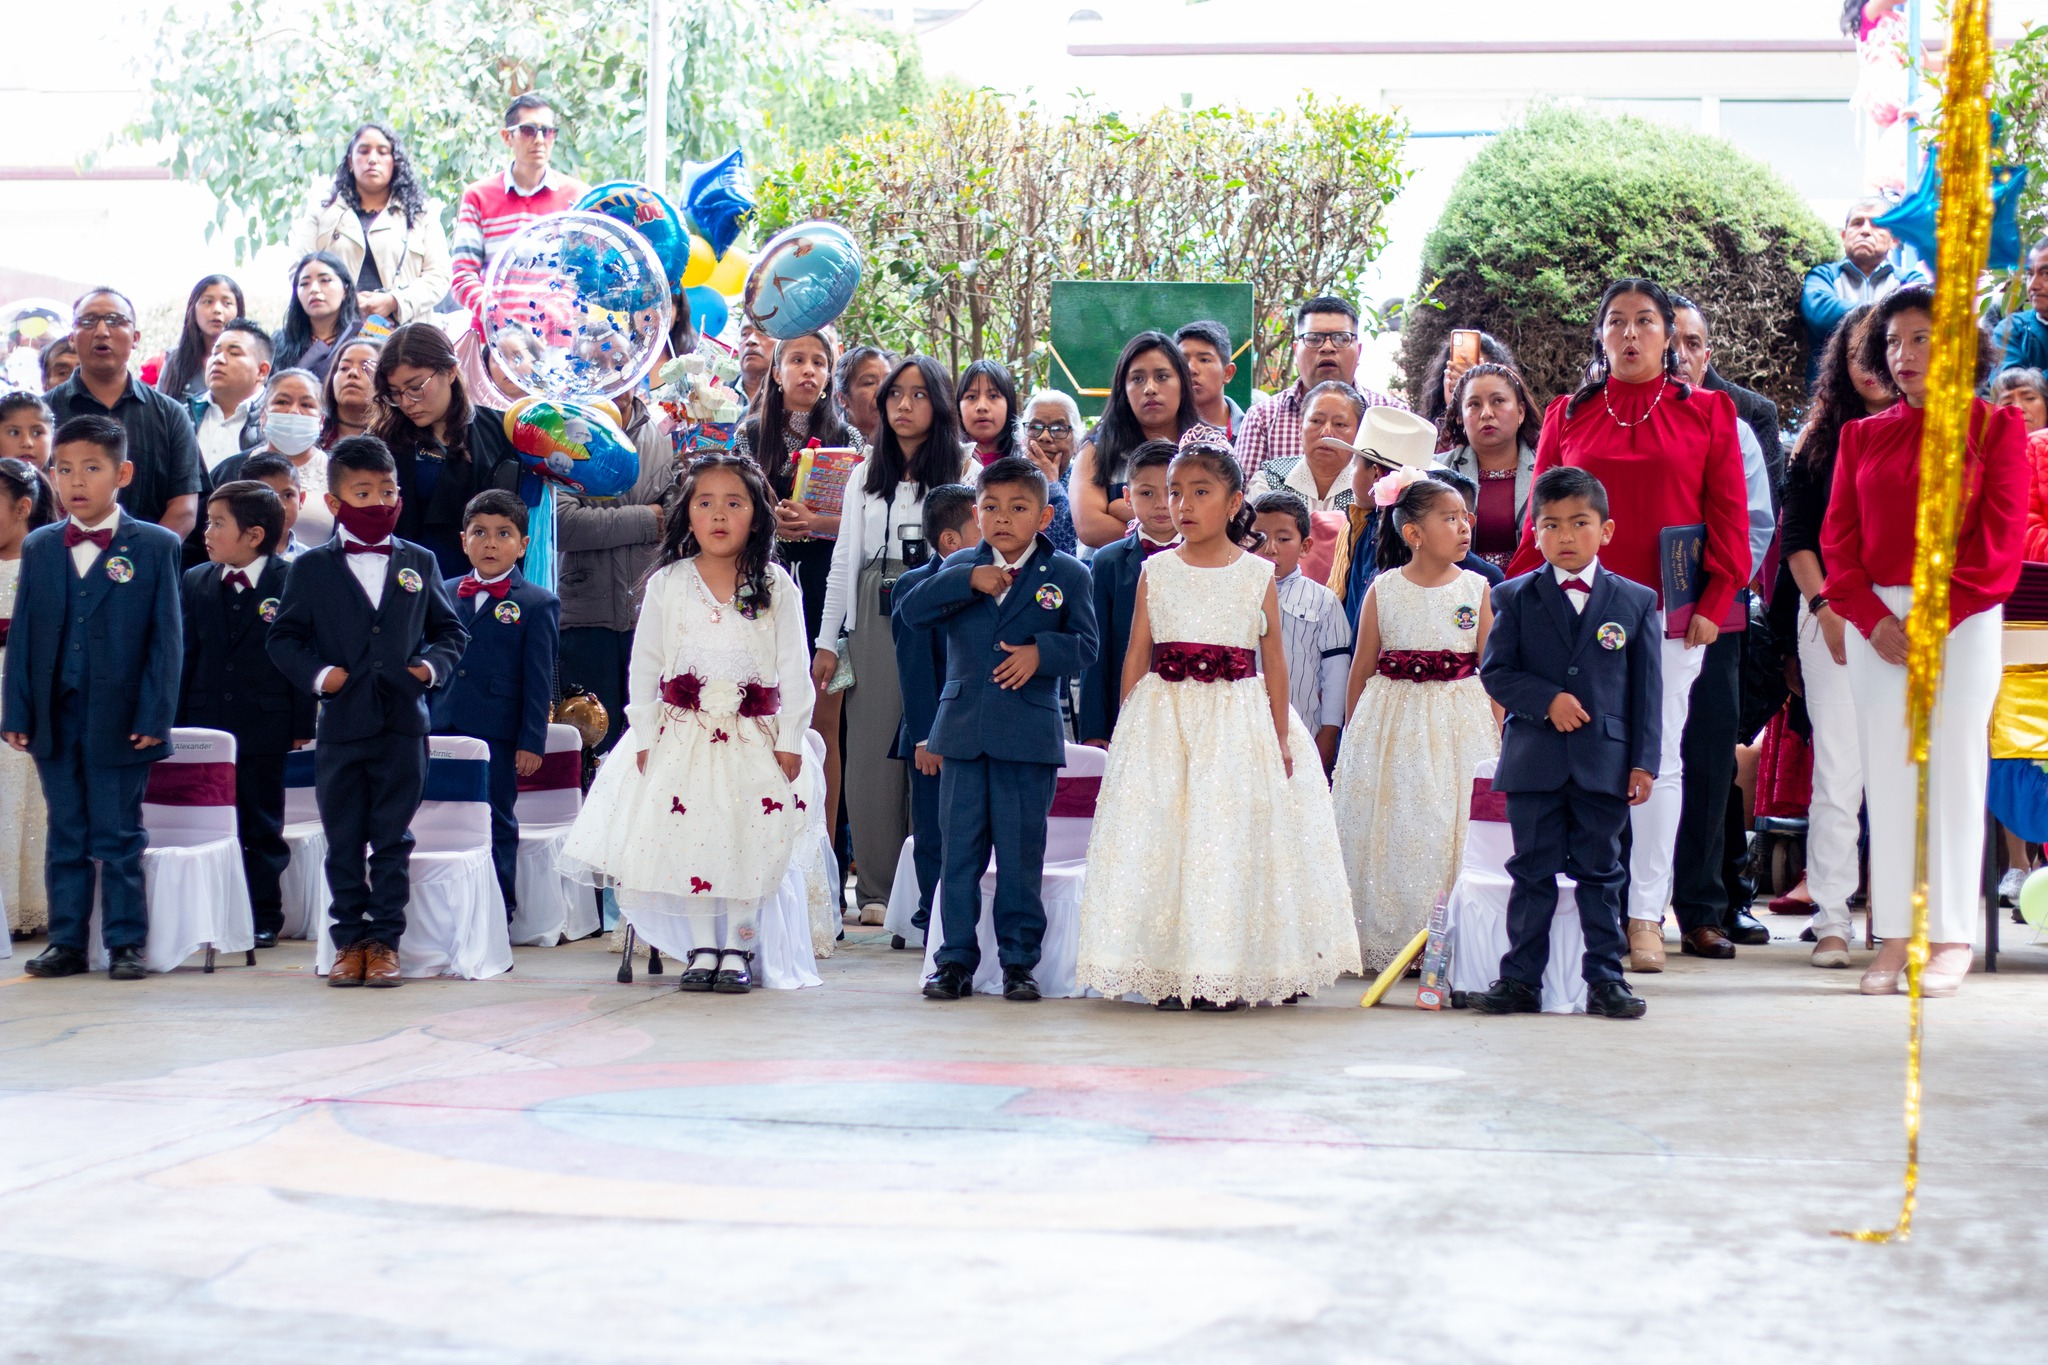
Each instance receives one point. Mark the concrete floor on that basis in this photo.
(554, 1167)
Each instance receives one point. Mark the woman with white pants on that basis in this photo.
(1868, 540)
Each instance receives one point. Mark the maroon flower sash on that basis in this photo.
(758, 700)
(1427, 665)
(685, 692)
(1176, 661)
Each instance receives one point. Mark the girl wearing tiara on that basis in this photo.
(26, 502)
(1214, 877)
(696, 815)
(1420, 721)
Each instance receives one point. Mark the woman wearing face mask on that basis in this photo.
(379, 223)
(291, 428)
(1493, 429)
(447, 451)
(349, 397)
(322, 315)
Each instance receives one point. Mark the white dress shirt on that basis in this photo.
(220, 431)
(1011, 569)
(370, 571)
(85, 552)
(254, 569)
(481, 600)
(1577, 599)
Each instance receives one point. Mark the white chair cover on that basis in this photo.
(551, 907)
(305, 877)
(1478, 910)
(455, 921)
(1066, 867)
(192, 870)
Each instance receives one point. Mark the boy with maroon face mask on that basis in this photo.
(367, 626)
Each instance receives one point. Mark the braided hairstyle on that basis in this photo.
(758, 550)
(20, 479)
(1392, 549)
(1206, 446)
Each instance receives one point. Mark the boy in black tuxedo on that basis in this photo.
(93, 657)
(920, 669)
(231, 684)
(1114, 587)
(1573, 659)
(366, 626)
(504, 689)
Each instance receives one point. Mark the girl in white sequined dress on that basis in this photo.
(697, 813)
(26, 502)
(1214, 876)
(1419, 719)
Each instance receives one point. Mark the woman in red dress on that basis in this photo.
(1868, 542)
(1668, 456)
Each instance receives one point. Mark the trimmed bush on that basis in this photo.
(1553, 209)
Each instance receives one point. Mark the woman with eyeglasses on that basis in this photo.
(447, 451)
(349, 395)
(1051, 424)
(1151, 398)
(378, 222)
(323, 314)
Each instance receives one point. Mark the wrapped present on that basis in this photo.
(821, 476)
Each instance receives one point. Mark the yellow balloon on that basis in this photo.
(731, 274)
(701, 263)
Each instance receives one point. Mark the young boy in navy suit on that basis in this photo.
(1573, 659)
(93, 659)
(367, 626)
(504, 688)
(920, 666)
(231, 684)
(1114, 589)
(1017, 618)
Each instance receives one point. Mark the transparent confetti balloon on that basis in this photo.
(577, 306)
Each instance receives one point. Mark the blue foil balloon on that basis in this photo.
(708, 311)
(647, 213)
(572, 442)
(803, 279)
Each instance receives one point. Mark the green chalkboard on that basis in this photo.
(1092, 319)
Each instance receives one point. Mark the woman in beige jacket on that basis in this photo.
(381, 225)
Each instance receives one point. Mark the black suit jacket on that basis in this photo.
(920, 667)
(230, 682)
(1114, 573)
(504, 688)
(326, 620)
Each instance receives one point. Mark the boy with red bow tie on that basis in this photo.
(504, 689)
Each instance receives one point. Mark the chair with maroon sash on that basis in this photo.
(1066, 865)
(1478, 909)
(192, 870)
(551, 907)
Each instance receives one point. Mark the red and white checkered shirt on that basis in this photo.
(492, 213)
(1272, 429)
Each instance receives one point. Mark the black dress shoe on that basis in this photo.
(1507, 996)
(1749, 931)
(266, 939)
(57, 960)
(1614, 1000)
(949, 982)
(1018, 985)
(125, 964)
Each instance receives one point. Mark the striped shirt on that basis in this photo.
(493, 211)
(1272, 429)
(1316, 638)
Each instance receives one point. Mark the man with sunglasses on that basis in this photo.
(495, 208)
(1325, 348)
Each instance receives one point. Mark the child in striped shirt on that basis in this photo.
(1314, 633)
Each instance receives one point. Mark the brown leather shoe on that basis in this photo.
(380, 965)
(348, 967)
(1705, 942)
(1645, 945)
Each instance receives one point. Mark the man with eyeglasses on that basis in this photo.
(163, 451)
(1325, 348)
(2023, 337)
(495, 208)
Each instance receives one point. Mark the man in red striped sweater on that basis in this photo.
(495, 208)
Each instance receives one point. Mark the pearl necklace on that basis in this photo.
(1663, 384)
(704, 591)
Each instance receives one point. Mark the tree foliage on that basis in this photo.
(1558, 206)
(257, 101)
(972, 205)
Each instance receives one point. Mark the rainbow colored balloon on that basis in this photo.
(577, 444)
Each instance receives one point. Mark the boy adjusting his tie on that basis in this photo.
(367, 626)
(93, 661)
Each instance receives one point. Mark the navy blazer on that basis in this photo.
(504, 688)
(1050, 606)
(131, 636)
(920, 667)
(1608, 656)
(230, 682)
(327, 621)
(1114, 590)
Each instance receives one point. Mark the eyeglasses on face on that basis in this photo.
(413, 392)
(1048, 428)
(92, 322)
(1316, 341)
(545, 132)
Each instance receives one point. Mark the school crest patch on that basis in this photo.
(1049, 597)
(506, 612)
(1467, 618)
(409, 579)
(1611, 635)
(120, 569)
(267, 608)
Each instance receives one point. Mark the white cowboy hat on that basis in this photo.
(1393, 437)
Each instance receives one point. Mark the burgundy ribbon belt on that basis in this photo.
(685, 692)
(1176, 661)
(1427, 665)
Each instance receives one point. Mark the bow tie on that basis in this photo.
(1149, 548)
(356, 547)
(1576, 585)
(235, 578)
(472, 585)
(75, 535)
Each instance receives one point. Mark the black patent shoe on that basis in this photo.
(734, 980)
(1614, 1000)
(1224, 1007)
(265, 939)
(1748, 931)
(1508, 996)
(126, 964)
(1171, 1002)
(949, 982)
(56, 960)
(1018, 985)
(700, 978)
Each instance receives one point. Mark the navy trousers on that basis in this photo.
(259, 811)
(95, 816)
(993, 803)
(504, 791)
(370, 789)
(926, 846)
(1576, 832)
